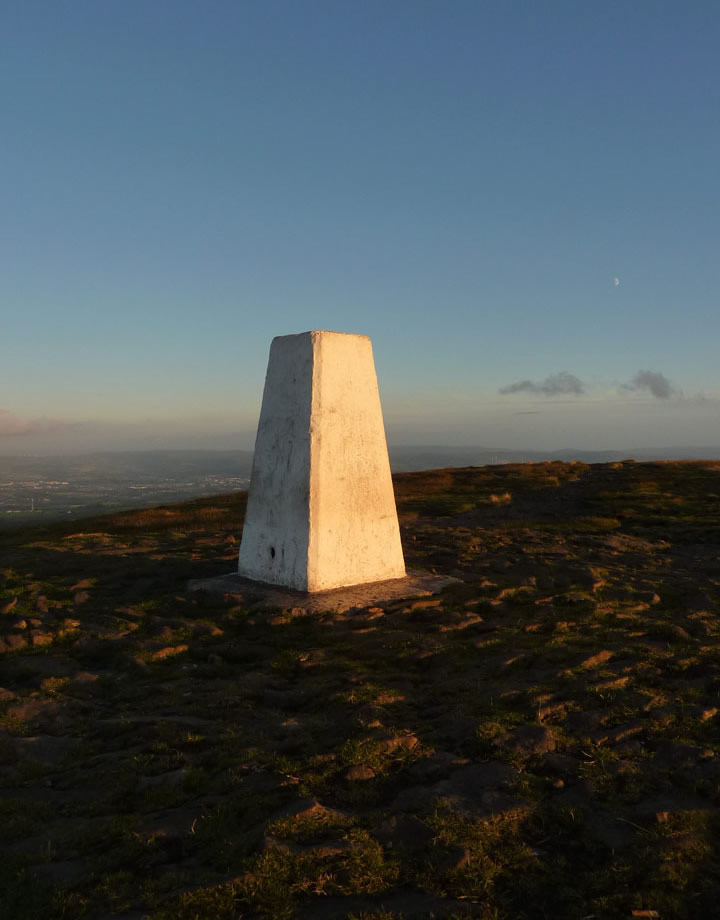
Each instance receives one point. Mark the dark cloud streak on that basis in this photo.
(562, 384)
(653, 381)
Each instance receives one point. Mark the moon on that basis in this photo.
(616, 282)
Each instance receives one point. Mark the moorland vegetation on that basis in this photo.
(540, 740)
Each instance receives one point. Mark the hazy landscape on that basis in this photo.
(40, 489)
(540, 740)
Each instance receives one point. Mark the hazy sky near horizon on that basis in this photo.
(519, 202)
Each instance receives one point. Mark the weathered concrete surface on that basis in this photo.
(321, 509)
(260, 596)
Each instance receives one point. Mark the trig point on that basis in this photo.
(321, 509)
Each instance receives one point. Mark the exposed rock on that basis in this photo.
(359, 773)
(620, 732)
(473, 780)
(318, 848)
(46, 749)
(675, 754)
(37, 714)
(41, 636)
(585, 723)
(661, 809)
(403, 832)
(491, 803)
(555, 764)
(453, 857)
(473, 790)
(454, 731)
(526, 740)
(371, 716)
(435, 766)
(169, 651)
(595, 660)
(84, 684)
(12, 642)
(390, 743)
(415, 798)
(701, 713)
(300, 808)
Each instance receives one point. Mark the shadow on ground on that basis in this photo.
(540, 740)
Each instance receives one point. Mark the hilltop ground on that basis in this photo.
(540, 741)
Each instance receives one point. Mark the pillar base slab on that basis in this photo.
(258, 595)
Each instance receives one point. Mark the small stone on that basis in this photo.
(11, 605)
(40, 714)
(556, 764)
(594, 661)
(435, 766)
(403, 832)
(359, 773)
(41, 637)
(41, 603)
(452, 857)
(526, 740)
(390, 743)
(474, 779)
(84, 683)
(425, 603)
(300, 808)
(454, 731)
(583, 723)
(617, 683)
(665, 807)
(625, 731)
(168, 652)
(702, 713)
(12, 643)
(675, 754)
(415, 798)
(275, 843)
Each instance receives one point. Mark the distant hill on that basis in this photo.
(36, 490)
(407, 458)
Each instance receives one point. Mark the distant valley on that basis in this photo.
(41, 489)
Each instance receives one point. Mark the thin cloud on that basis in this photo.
(562, 384)
(654, 382)
(12, 426)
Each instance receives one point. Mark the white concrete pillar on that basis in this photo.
(321, 510)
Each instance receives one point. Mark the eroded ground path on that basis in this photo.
(539, 741)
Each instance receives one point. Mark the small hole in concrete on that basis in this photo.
(272, 552)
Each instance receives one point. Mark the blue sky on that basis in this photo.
(462, 181)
